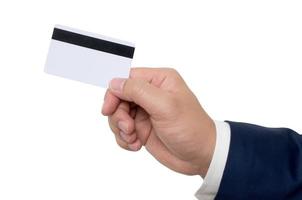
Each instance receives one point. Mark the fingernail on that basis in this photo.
(122, 126)
(135, 146)
(123, 136)
(117, 84)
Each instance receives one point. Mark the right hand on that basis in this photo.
(155, 108)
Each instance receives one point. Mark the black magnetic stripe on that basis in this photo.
(93, 43)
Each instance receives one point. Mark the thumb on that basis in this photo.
(140, 92)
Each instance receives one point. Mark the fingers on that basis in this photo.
(144, 88)
(143, 125)
(166, 78)
(110, 104)
(128, 138)
(122, 125)
(151, 74)
(148, 88)
(134, 146)
(140, 92)
(131, 144)
(121, 118)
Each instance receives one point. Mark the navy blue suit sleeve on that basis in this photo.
(263, 163)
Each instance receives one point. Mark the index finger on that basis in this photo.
(110, 104)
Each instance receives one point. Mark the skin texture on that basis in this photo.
(155, 108)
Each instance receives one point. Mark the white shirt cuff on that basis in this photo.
(212, 180)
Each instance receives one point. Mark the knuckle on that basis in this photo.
(121, 143)
(123, 107)
(113, 118)
(174, 77)
(172, 71)
(116, 116)
(113, 128)
(135, 88)
(118, 140)
(176, 80)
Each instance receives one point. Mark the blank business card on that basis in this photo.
(88, 57)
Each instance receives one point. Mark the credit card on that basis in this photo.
(88, 57)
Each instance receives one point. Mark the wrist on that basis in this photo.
(208, 147)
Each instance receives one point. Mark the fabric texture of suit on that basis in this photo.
(263, 163)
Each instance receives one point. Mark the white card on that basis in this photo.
(88, 57)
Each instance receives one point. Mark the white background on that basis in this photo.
(241, 58)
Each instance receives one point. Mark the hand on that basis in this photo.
(155, 108)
